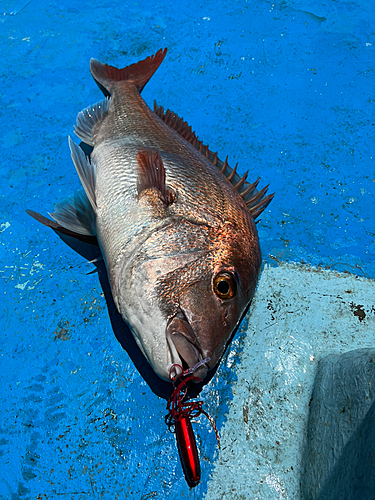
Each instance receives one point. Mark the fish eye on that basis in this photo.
(225, 285)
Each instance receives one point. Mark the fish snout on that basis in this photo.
(187, 346)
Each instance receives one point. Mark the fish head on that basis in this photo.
(185, 292)
(210, 306)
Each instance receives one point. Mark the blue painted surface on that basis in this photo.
(286, 88)
(285, 436)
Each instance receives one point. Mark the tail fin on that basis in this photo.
(138, 73)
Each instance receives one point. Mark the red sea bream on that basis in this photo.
(174, 223)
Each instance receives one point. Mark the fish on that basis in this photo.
(174, 223)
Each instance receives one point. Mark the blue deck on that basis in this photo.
(287, 89)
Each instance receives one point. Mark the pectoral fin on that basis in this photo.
(151, 175)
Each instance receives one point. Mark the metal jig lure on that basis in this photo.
(180, 411)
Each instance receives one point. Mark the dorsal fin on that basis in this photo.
(255, 200)
(138, 74)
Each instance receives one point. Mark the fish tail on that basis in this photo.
(139, 73)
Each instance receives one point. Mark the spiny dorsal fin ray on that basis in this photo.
(258, 209)
(256, 204)
(241, 181)
(230, 177)
(258, 196)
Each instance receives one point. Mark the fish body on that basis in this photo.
(178, 239)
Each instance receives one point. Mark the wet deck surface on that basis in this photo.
(285, 88)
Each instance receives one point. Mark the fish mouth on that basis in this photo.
(180, 332)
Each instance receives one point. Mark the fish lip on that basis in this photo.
(185, 341)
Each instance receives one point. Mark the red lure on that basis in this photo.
(180, 412)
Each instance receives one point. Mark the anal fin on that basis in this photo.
(88, 118)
